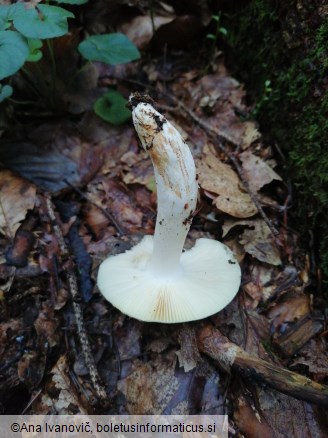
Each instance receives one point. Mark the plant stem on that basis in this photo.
(151, 8)
(30, 81)
(53, 70)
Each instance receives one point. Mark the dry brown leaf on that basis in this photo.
(231, 223)
(249, 420)
(236, 248)
(17, 196)
(64, 402)
(188, 355)
(250, 135)
(150, 386)
(258, 242)
(47, 168)
(46, 324)
(219, 179)
(288, 416)
(8, 329)
(290, 310)
(138, 169)
(140, 29)
(262, 283)
(257, 172)
(122, 205)
(314, 355)
(179, 34)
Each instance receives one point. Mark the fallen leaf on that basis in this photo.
(237, 249)
(257, 240)
(8, 329)
(249, 421)
(257, 172)
(284, 413)
(314, 356)
(188, 355)
(46, 324)
(259, 243)
(48, 169)
(218, 178)
(250, 134)
(140, 29)
(150, 386)
(289, 310)
(17, 254)
(17, 196)
(178, 34)
(128, 339)
(138, 169)
(121, 205)
(61, 397)
(31, 368)
(262, 283)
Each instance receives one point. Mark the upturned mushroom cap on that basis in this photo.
(156, 281)
(207, 280)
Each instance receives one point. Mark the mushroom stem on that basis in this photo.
(155, 281)
(177, 188)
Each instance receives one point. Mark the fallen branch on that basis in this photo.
(211, 342)
(73, 288)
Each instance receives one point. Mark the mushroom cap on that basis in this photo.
(207, 280)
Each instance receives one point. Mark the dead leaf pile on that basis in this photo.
(222, 184)
(16, 198)
(104, 197)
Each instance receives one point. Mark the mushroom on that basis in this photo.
(156, 281)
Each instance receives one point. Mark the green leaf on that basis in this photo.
(34, 46)
(42, 22)
(4, 21)
(13, 52)
(72, 2)
(112, 108)
(8, 12)
(5, 91)
(4, 24)
(112, 48)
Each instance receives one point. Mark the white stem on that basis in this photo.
(177, 188)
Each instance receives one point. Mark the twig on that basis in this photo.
(230, 356)
(73, 287)
(32, 400)
(104, 212)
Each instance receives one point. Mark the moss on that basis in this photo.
(286, 43)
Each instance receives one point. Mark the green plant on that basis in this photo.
(23, 32)
(218, 29)
(112, 108)
(268, 40)
(262, 98)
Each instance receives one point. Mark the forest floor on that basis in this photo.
(75, 189)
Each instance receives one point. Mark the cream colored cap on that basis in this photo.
(208, 279)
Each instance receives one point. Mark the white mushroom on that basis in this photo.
(156, 281)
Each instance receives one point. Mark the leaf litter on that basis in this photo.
(151, 368)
